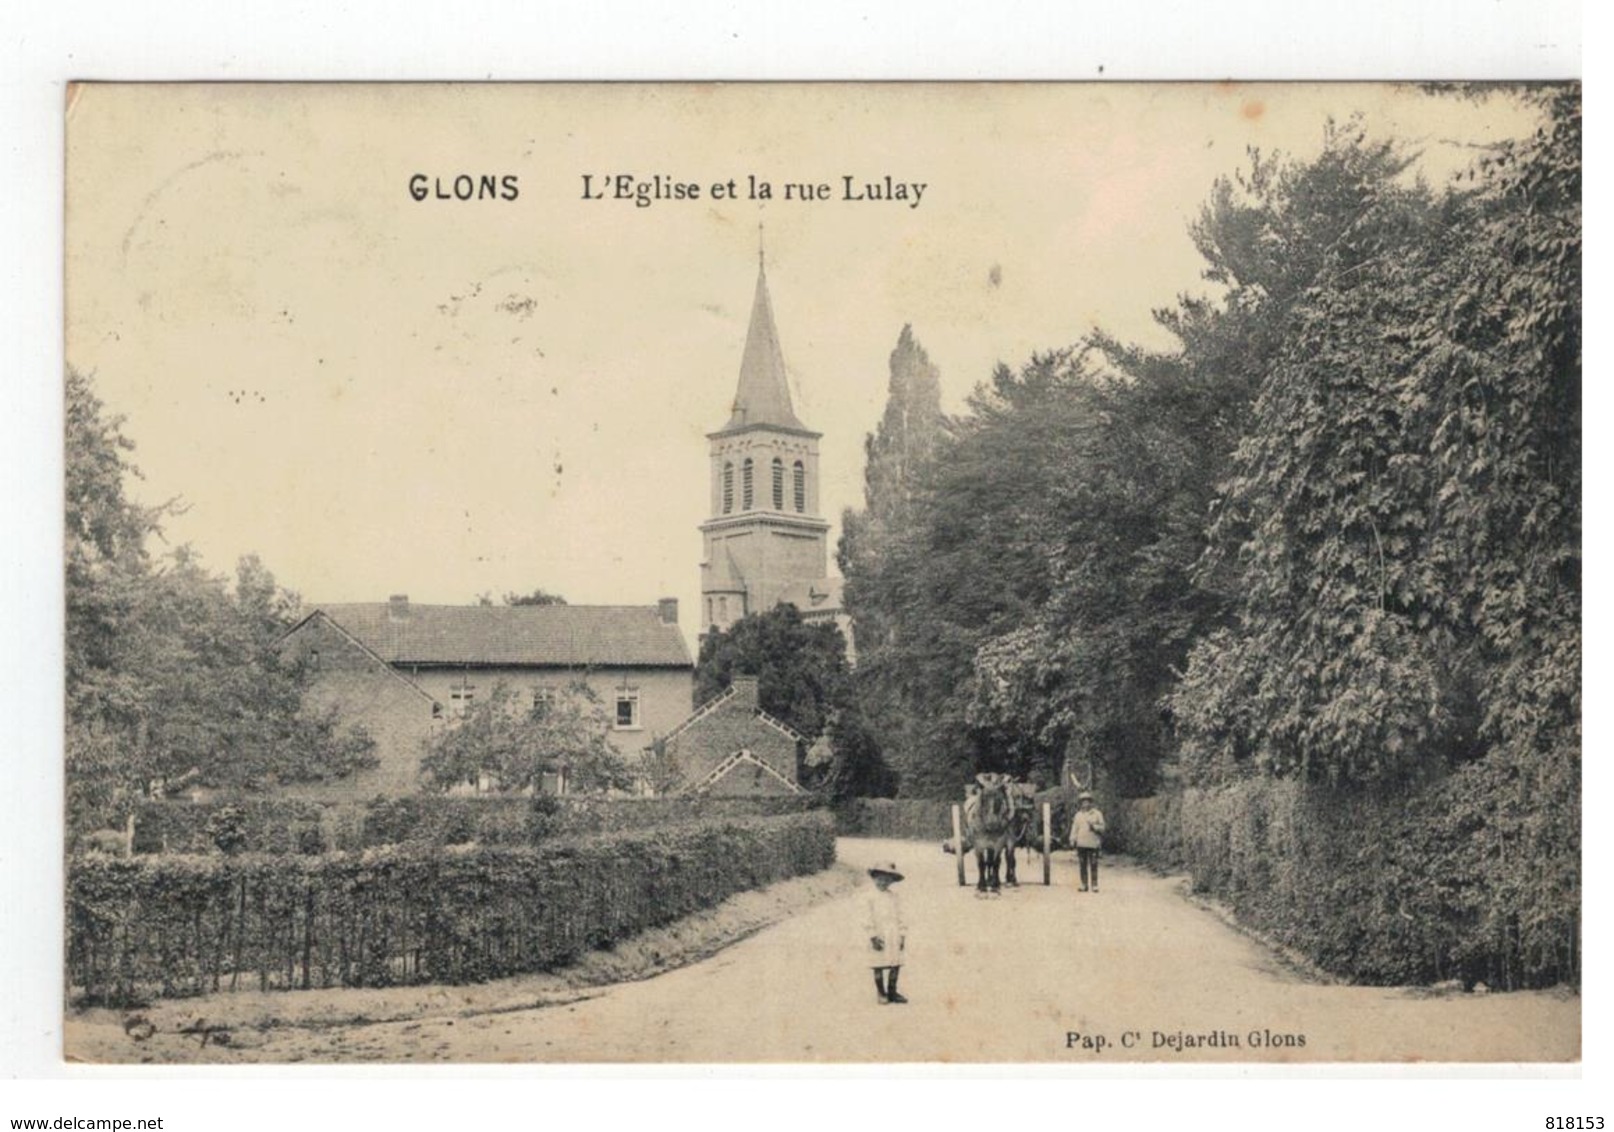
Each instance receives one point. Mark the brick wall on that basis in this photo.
(734, 725)
(365, 691)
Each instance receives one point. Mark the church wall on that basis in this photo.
(789, 558)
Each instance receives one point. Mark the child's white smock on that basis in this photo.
(884, 923)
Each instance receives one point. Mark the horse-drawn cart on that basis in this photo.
(994, 821)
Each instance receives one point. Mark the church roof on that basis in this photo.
(547, 636)
(763, 394)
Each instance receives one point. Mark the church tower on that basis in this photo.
(765, 541)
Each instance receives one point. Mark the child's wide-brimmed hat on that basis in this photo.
(886, 868)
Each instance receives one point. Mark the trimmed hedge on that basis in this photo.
(269, 825)
(277, 825)
(931, 819)
(1475, 877)
(909, 819)
(179, 925)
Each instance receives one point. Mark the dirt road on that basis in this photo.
(1133, 973)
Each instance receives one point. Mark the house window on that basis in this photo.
(460, 698)
(801, 487)
(723, 609)
(778, 484)
(627, 709)
(746, 497)
(543, 697)
(728, 488)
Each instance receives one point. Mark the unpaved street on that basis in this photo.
(1136, 972)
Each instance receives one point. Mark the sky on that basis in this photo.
(445, 398)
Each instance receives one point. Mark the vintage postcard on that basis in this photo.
(730, 573)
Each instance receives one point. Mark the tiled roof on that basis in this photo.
(569, 636)
(380, 663)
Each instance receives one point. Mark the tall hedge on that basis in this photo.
(1475, 877)
(179, 925)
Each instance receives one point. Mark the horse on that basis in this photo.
(1022, 826)
(988, 817)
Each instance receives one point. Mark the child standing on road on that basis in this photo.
(1087, 834)
(888, 935)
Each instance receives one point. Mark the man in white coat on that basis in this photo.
(1087, 834)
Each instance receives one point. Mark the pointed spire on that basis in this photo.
(763, 395)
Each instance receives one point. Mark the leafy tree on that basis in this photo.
(536, 597)
(662, 771)
(962, 565)
(106, 567)
(857, 766)
(517, 738)
(896, 457)
(1402, 519)
(221, 706)
(1130, 592)
(803, 680)
(173, 677)
(800, 667)
(1043, 582)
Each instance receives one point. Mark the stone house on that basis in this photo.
(730, 746)
(405, 671)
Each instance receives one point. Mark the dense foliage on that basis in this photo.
(799, 667)
(1333, 533)
(1402, 519)
(1312, 577)
(177, 925)
(174, 675)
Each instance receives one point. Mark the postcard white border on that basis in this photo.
(53, 42)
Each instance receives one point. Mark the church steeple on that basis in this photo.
(762, 397)
(765, 538)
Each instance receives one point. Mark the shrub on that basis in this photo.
(417, 913)
(226, 828)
